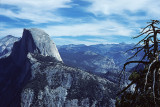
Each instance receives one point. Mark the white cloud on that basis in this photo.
(108, 7)
(58, 40)
(45, 11)
(11, 31)
(38, 11)
(66, 41)
(37, 4)
(101, 41)
(2, 25)
(97, 28)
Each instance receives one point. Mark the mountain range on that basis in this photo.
(33, 74)
(105, 60)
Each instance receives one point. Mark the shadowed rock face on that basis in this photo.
(34, 75)
(34, 41)
(15, 69)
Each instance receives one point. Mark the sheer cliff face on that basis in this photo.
(34, 41)
(35, 76)
(54, 84)
(15, 70)
(44, 43)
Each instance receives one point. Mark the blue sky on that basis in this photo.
(79, 21)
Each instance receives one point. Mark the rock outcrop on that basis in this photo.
(15, 70)
(34, 41)
(35, 76)
(54, 84)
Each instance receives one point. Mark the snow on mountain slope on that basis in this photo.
(6, 44)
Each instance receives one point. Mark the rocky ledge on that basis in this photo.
(54, 84)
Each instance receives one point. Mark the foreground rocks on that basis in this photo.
(54, 84)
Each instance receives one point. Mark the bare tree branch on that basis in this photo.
(143, 62)
(136, 53)
(141, 34)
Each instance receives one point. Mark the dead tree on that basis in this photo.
(148, 81)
